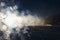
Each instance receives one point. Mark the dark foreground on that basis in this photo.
(38, 33)
(43, 33)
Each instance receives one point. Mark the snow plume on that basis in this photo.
(9, 16)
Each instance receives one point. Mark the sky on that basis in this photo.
(39, 7)
(42, 7)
